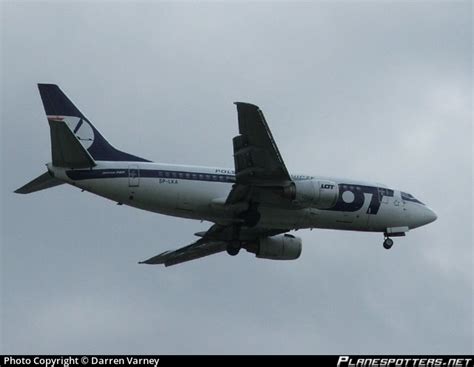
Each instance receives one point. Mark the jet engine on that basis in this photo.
(281, 247)
(313, 193)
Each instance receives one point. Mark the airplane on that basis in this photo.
(252, 206)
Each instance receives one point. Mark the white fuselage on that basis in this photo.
(199, 193)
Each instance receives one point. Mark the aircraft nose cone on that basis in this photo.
(430, 215)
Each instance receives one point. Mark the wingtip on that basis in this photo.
(150, 261)
(147, 262)
(20, 190)
(155, 260)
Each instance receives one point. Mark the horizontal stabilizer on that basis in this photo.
(45, 181)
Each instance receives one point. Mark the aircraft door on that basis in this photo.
(133, 175)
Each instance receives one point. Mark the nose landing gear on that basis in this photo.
(393, 232)
(387, 243)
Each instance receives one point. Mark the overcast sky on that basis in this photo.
(379, 91)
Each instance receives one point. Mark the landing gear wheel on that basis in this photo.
(388, 243)
(233, 250)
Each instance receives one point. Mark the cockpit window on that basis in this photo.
(409, 197)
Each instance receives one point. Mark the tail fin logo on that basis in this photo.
(82, 129)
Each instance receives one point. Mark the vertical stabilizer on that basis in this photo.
(75, 142)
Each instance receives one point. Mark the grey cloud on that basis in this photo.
(381, 92)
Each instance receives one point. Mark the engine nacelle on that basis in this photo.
(318, 194)
(281, 247)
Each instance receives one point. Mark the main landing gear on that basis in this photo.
(387, 243)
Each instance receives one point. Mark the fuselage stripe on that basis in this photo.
(78, 175)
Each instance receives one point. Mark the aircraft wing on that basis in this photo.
(256, 155)
(198, 249)
(210, 243)
(213, 241)
(258, 162)
(258, 166)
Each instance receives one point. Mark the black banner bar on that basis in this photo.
(171, 360)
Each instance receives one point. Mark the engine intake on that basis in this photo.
(318, 194)
(281, 247)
